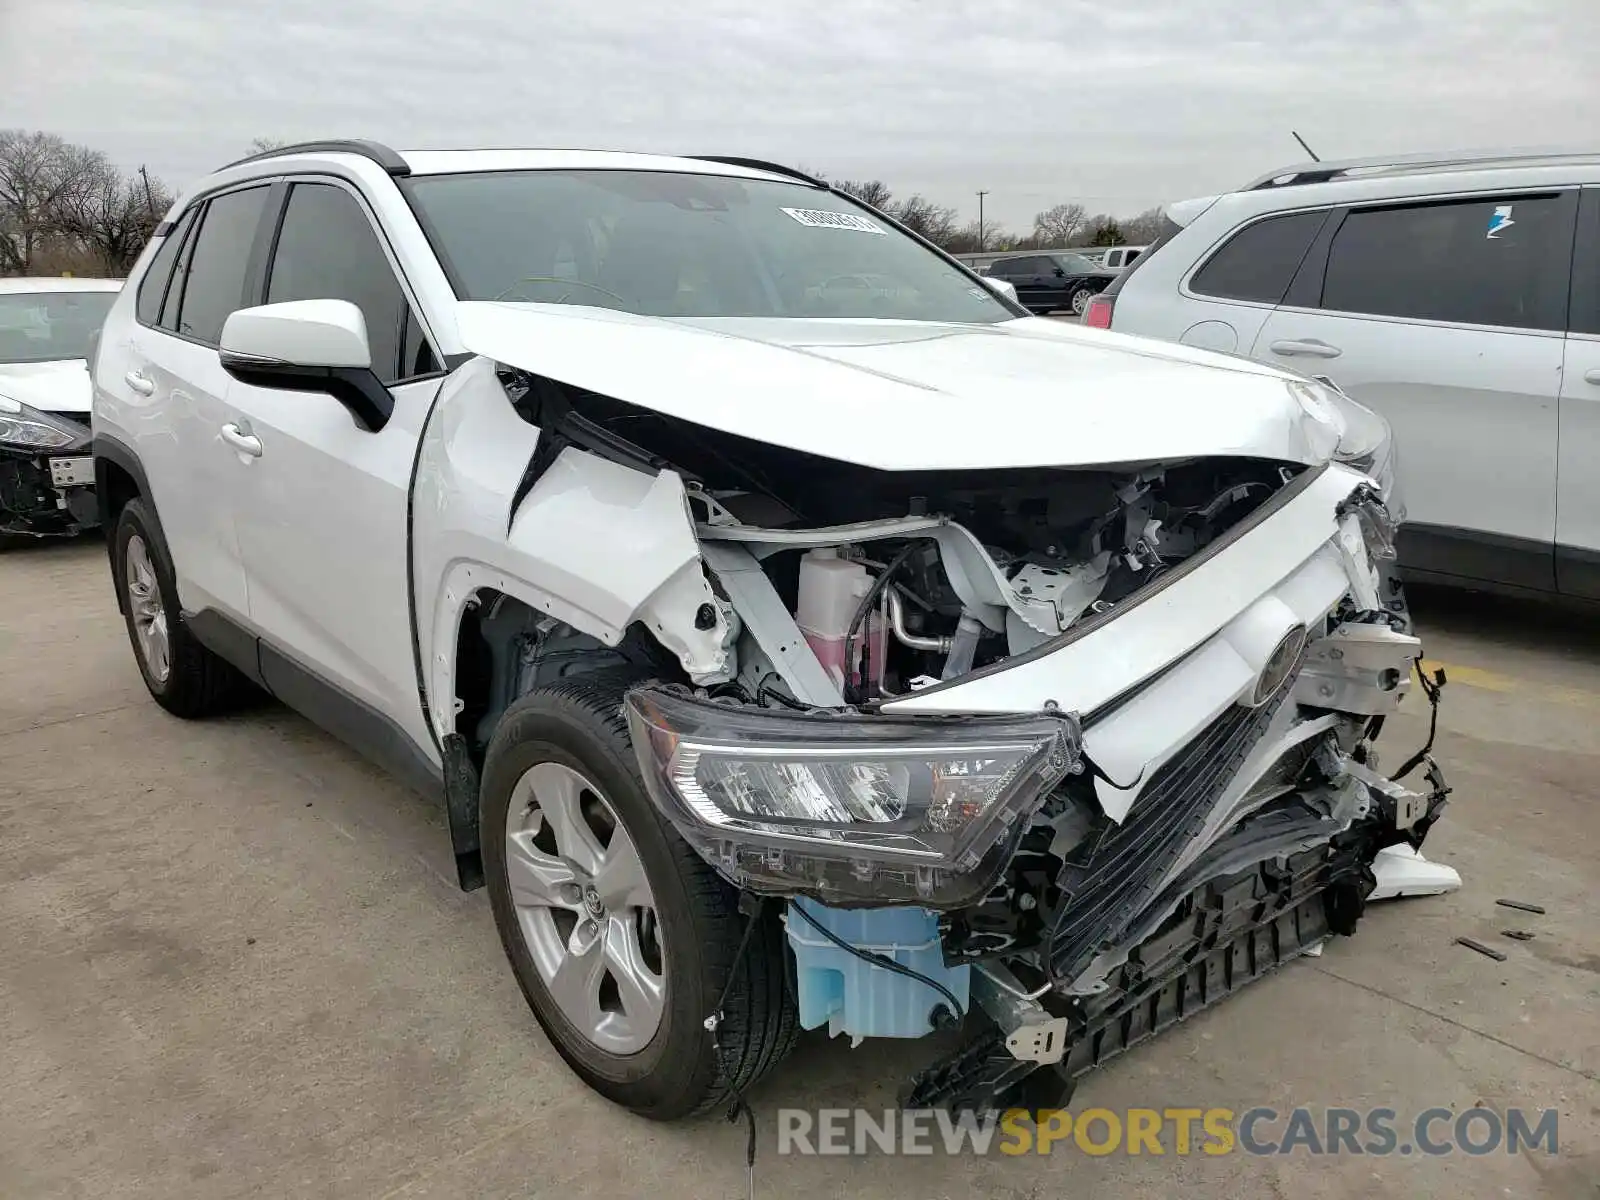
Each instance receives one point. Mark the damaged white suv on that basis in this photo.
(796, 632)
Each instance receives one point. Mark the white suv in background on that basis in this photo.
(1458, 296)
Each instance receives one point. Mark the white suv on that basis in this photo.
(795, 632)
(1459, 296)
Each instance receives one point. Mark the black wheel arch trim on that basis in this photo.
(109, 451)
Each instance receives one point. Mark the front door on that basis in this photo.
(1448, 317)
(323, 520)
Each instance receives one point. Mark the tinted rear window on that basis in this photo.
(1499, 260)
(1258, 263)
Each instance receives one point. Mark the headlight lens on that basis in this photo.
(24, 426)
(1363, 438)
(879, 808)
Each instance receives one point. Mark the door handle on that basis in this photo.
(1592, 375)
(242, 440)
(1308, 347)
(140, 382)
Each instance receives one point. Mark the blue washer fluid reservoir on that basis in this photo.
(859, 998)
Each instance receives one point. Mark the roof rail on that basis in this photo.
(756, 164)
(1400, 164)
(386, 158)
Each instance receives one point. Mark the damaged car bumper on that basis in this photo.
(46, 473)
(1103, 832)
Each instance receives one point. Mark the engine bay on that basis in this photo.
(899, 580)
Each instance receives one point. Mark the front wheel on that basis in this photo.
(1080, 301)
(621, 937)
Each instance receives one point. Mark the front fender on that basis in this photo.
(595, 544)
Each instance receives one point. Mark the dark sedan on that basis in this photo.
(1046, 282)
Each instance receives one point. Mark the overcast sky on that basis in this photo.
(1119, 104)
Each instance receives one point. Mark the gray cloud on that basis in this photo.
(1118, 107)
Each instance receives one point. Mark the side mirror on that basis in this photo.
(308, 346)
(1001, 287)
(1059, 272)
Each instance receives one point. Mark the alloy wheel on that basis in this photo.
(148, 613)
(585, 908)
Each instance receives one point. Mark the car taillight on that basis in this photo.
(1098, 314)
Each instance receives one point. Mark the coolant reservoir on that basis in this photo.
(830, 589)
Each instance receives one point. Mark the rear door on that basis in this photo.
(1577, 479)
(323, 517)
(1448, 316)
(170, 389)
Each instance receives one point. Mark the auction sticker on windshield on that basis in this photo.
(821, 218)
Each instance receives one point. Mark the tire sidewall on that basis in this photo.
(676, 1065)
(135, 520)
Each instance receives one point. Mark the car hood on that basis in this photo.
(58, 387)
(910, 396)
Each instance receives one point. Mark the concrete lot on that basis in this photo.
(235, 963)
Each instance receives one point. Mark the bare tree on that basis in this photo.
(114, 216)
(1144, 228)
(1057, 226)
(936, 222)
(261, 145)
(38, 173)
(869, 191)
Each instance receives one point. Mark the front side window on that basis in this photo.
(214, 283)
(1259, 262)
(50, 326)
(674, 244)
(327, 250)
(1502, 260)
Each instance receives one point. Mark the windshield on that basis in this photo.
(46, 326)
(1075, 264)
(671, 244)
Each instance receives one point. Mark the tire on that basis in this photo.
(1080, 301)
(196, 683)
(576, 725)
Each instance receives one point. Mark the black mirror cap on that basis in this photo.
(357, 388)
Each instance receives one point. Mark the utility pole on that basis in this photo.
(149, 200)
(981, 195)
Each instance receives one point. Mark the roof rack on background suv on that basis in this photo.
(386, 158)
(756, 164)
(1401, 164)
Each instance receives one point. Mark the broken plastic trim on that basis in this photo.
(544, 404)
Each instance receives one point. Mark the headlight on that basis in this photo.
(24, 426)
(922, 810)
(1361, 437)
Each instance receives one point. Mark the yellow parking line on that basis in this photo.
(1494, 681)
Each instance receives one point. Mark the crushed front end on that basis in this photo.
(1072, 754)
(46, 472)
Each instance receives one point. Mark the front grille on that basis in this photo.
(1112, 876)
